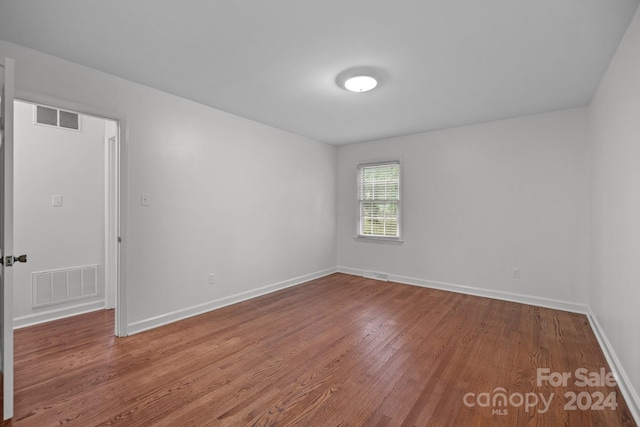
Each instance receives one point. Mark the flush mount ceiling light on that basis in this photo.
(361, 79)
(360, 83)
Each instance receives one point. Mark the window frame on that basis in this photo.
(379, 239)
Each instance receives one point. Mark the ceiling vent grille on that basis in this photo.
(59, 118)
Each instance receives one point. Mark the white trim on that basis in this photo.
(61, 313)
(31, 97)
(122, 164)
(380, 239)
(387, 240)
(111, 220)
(122, 314)
(624, 383)
(174, 316)
(470, 290)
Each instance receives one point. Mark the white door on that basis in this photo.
(6, 234)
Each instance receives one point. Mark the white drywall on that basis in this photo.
(47, 161)
(253, 204)
(479, 201)
(614, 117)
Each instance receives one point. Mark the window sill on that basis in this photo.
(378, 240)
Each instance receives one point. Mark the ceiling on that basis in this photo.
(447, 63)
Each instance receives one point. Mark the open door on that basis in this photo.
(6, 234)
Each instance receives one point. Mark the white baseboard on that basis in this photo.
(60, 313)
(164, 319)
(487, 293)
(624, 383)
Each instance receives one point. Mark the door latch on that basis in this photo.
(9, 260)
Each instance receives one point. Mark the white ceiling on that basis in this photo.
(448, 62)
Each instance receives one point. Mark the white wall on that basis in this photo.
(480, 200)
(253, 204)
(50, 161)
(614, 117)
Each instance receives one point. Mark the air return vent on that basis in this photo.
(60, 286)
(58, 118)
(69, 120)
(374, 275)
(46, 116)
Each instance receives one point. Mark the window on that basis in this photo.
(379, 200)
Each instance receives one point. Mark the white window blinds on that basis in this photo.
(379, 200)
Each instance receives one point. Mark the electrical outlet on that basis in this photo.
(516, 273)
(212, 278)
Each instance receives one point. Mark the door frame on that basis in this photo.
(116, 218)
(111, 221)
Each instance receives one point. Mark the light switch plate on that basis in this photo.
(144, 199)
(56, 200)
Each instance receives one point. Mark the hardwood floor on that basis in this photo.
(341, 350)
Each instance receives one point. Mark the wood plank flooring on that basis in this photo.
(337, 351)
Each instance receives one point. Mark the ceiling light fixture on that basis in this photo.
(360, 83)
(361, 79)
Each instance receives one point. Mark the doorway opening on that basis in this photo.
(66, 179)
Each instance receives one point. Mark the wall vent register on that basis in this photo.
(64, 285)
(49, 116)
